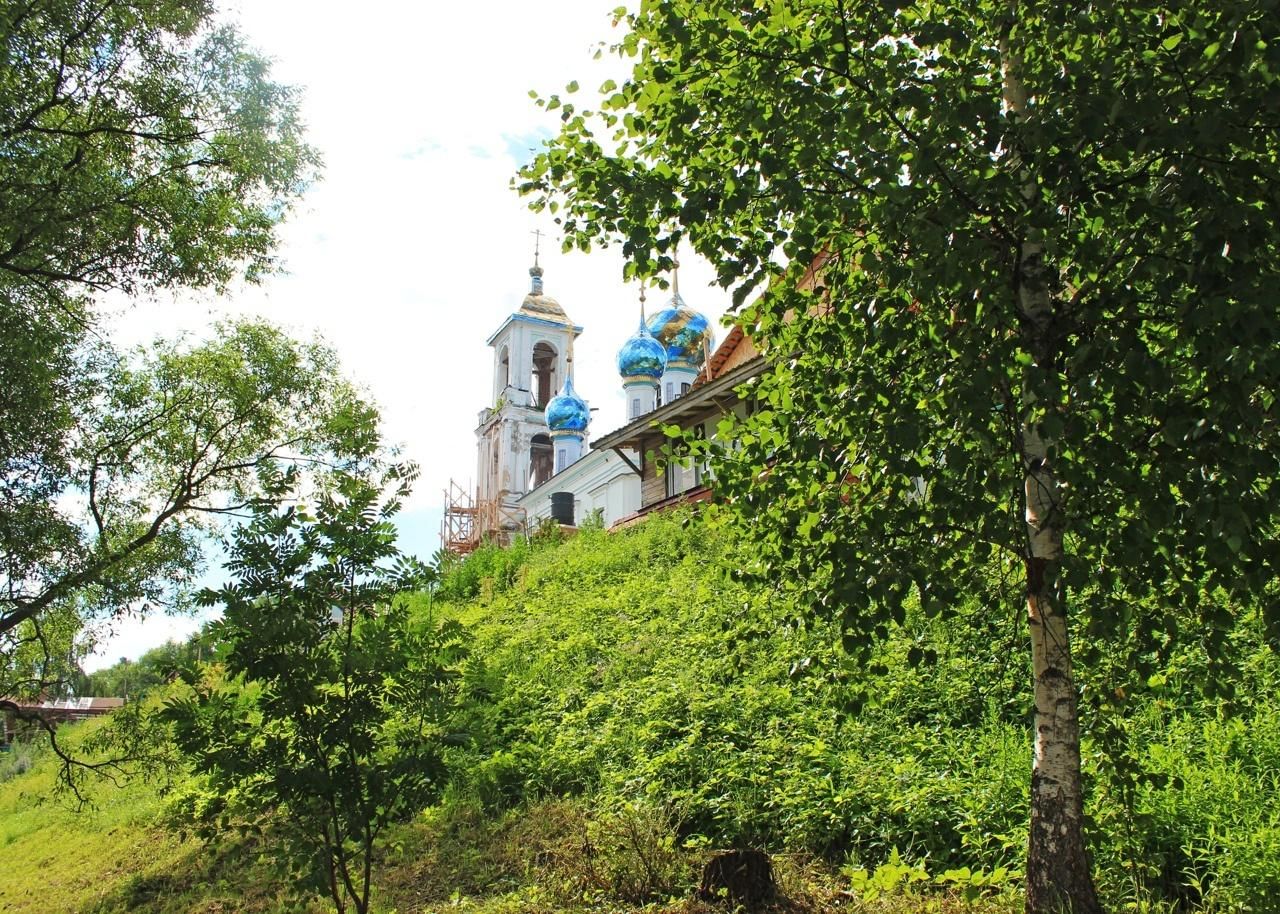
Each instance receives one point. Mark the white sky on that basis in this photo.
(412, 248)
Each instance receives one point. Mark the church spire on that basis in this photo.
(641, 361)
(535, 271)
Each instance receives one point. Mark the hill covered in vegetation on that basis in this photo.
(628, 705)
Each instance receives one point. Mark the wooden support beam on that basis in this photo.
(627, 460)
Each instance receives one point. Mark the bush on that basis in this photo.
(634, 669)
(493, 566)
(21, 756)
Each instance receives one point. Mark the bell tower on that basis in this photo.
(532, 359)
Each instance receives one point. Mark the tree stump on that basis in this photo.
(742, 877)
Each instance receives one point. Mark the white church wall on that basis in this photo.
(599, 480)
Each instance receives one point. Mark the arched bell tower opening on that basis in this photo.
(541, 460)
(543, 382)
(502, 374)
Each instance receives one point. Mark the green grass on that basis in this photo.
(567, 857)
(629, 706)
(58, 859)
(552, 857)
(116, 858)
(635, 668)
(114, 855)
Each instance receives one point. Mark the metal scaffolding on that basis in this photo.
(468, 522)
(500, 522)
(459, 532)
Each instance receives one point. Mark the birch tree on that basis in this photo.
(1043, 332)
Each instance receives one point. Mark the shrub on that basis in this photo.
(635, 669)
(20, 757)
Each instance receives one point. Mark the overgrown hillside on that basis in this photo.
(629, 705)
(116, 854)
(636, 669)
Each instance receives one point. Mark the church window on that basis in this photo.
(540, 460)
(684, 389)
(504, 373)
(635, 407)
(543, 383)
(680, 476)
(670, 391)
(562, 456)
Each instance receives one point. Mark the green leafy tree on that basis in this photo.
(156, 668)
(172, 443)
(1043, 328)
(142, 147)
(331, 726)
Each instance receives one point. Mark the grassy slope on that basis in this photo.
(116, 859)
(56, 860)
(635, 666)
(633, 610)
(633, 669)
(630, 706)
(114, 856)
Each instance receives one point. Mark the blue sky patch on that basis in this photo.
(522, 147)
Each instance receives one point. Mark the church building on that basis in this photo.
(533, 457)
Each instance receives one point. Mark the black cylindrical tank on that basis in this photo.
(562, 508)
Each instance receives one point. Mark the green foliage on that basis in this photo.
(19, 757)
(330, 729)
(142, 147)
(644, 670)
(154, 669)
(492, 566)
(112, 856)
(1185, 781)
(896, 877)
(171, 442)
(1021, 263)
(35, 834)
(910, 359)
(585, 855)
(635, 668)
(681, 709)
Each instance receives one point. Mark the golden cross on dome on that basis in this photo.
(537, 244)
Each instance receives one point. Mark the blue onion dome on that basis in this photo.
(567, 412)
(686, 333)
(642, 356)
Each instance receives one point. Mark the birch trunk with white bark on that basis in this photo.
(1058, 877)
